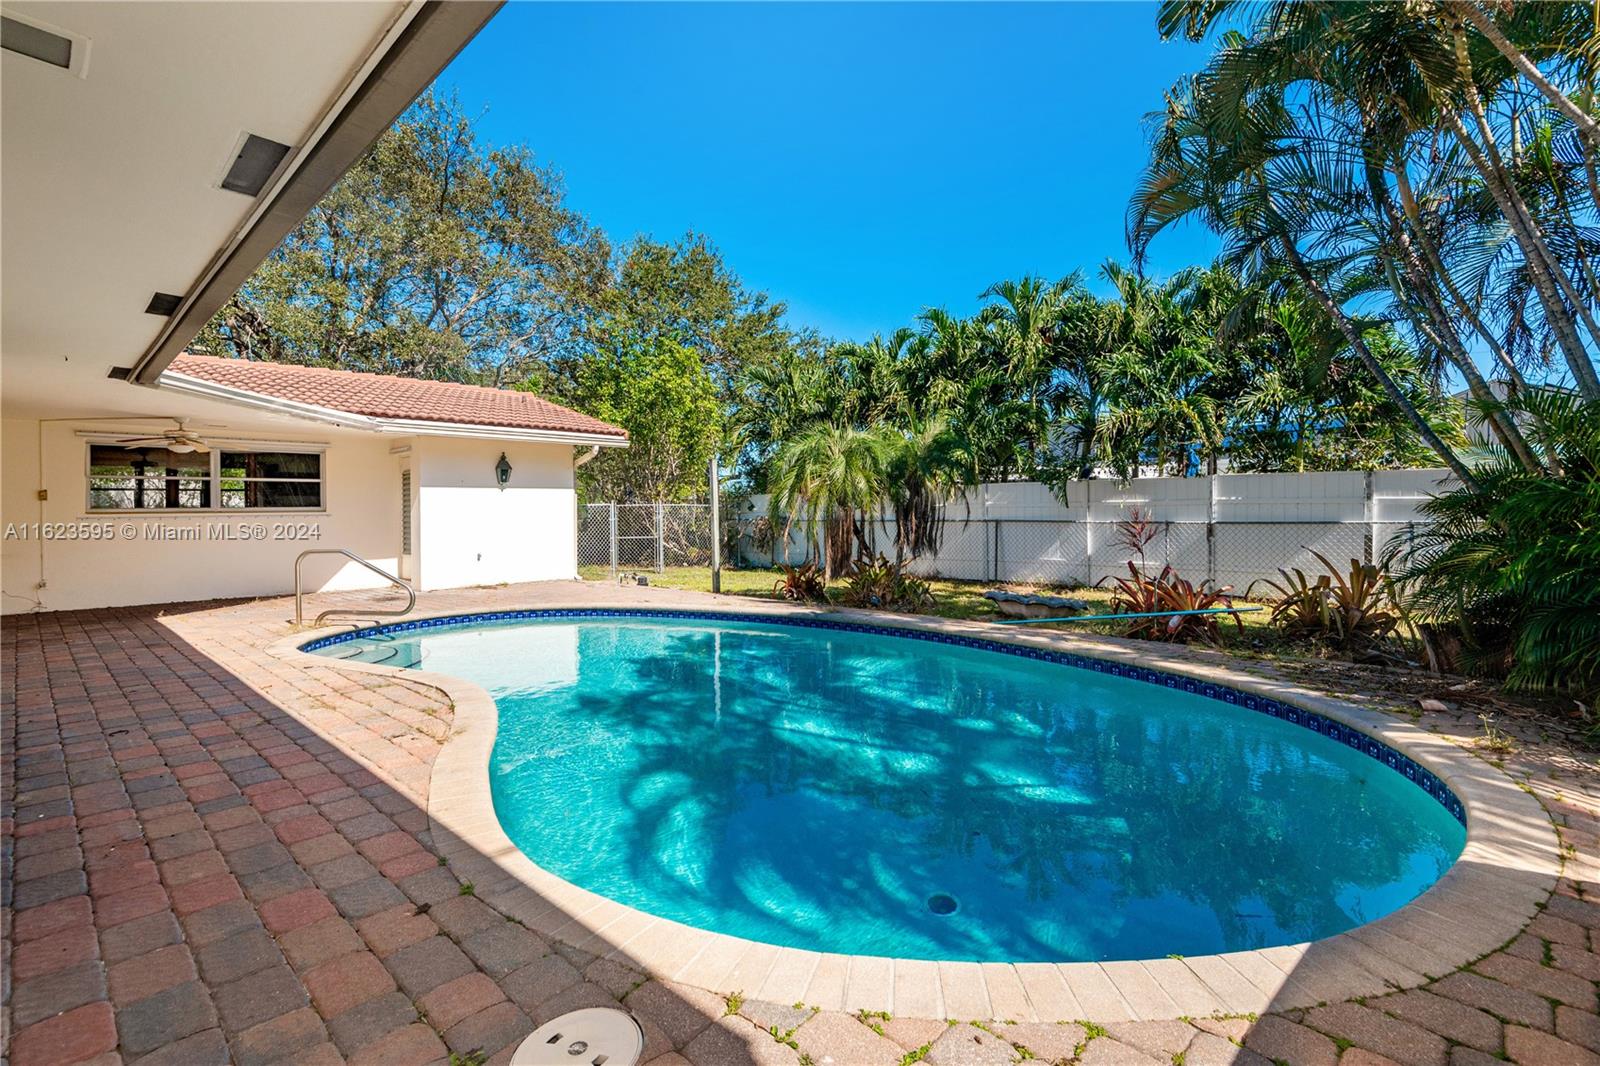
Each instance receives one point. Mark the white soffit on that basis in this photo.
(110, 183)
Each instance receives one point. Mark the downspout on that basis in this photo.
(577, 518)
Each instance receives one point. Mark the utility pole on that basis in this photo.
(716, 527)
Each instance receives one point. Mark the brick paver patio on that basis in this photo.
(217, 855)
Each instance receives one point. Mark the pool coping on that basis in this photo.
(1506, 871)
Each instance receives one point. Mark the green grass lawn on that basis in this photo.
(952, 599)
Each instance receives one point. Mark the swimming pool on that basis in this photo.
(844, 788)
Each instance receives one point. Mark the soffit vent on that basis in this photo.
(258, 159)
(36, 43)
(163, 303)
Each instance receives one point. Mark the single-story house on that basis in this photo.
(443, 484)
(154, 155)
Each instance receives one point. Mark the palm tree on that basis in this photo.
(1256, 180)
(946, 353)
(1081, 356)
(1518, 563)
(776, 401)
(1417, 89)
(1564, 33)
(1023, 313)
(826, 478)
(1164, 365)
(927, 469)
(959, 370)
(1290, 395)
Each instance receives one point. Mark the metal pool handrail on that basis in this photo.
(299, 593)
(1130, 614)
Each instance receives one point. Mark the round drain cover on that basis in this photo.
(940, 903)
(594, 1036)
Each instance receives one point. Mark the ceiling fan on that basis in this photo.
(179, 440)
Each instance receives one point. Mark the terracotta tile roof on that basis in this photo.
(383, 396)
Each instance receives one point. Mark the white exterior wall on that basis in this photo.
(471, 532)
(466, 530)
(360, 512)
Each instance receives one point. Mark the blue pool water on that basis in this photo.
(853, 792)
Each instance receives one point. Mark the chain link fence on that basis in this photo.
(644, 536)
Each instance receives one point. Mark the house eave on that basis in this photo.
(173, 381)
(423, 427)
(421, 43)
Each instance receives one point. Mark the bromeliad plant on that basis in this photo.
(1352, 609)
(1302, 603)
(803, 583)
(1139, 594)
(886, 586)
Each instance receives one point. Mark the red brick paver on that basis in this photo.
(76, 1036)
(218, 855)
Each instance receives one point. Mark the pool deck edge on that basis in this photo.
(1508, 868)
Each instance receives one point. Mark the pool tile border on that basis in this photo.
(1502, 878)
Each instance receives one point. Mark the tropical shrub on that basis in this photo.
(1351, 609)
(872, 585)
(886, 586)
(913, 593)
(803, 582)
(1514, 567)
(1139, 594)
(1302, 603)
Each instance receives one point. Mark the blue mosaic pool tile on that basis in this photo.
(1288, 712)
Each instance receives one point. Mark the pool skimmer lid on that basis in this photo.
(593, 1036)
(942, 904)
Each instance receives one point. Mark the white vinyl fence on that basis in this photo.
(1231, 528)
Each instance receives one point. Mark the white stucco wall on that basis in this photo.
(471, 532)
(361, 497)
(466, 529)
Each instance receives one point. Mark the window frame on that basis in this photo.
(213, 480)
(245, 481)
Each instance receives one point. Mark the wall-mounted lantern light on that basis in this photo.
(502, 471)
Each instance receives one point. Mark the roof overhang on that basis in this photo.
(392, 79)
(172, 381)
(114, 170)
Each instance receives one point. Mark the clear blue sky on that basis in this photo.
(860, 162)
